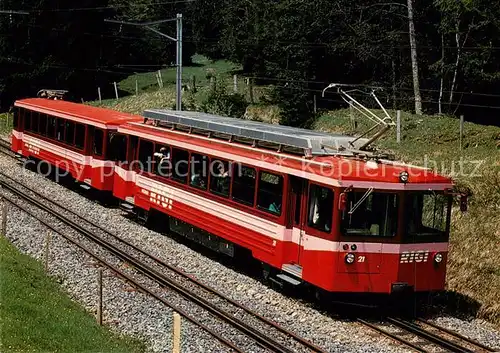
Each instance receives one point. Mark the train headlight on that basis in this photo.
(349, 258)
(438, 258)
(404, 177)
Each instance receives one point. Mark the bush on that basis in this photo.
(219, 102)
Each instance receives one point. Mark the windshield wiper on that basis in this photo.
(361, 200)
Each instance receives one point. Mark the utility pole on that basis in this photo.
(178, 40)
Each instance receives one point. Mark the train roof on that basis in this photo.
(335, 170)
(310, 142)
(86, 114)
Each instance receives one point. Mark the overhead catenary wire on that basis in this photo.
(110, 7)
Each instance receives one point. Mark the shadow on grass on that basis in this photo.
(451, 303)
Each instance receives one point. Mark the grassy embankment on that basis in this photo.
(35, 316)
(5, 124)
(474, 266)
(203, 69)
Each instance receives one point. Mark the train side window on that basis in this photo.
(270, 193)
(34, 121)
(132, 150)
(145, 155)
(70, 133)
(51, 127)
(27, 120)
(320, 208)
(43, 124)
(98, 142)
(244, 179)
(180, 165)
(80, 136)
(199, 171)
(117, 147)
(60, 129)
(162, 161)
(220, 178)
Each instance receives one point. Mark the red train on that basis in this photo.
(309, 206)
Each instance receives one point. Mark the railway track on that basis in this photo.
(419, 335)
(425, 336)
(246, 321)
(5, 148)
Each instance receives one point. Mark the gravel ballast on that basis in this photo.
(128, 311)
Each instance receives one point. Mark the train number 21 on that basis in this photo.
(361, 259)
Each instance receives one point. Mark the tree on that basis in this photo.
(414, 59)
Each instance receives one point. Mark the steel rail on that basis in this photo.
(271, 323)
(126, 277)
(392, 336)
(436, 339)
(5, 148)
(258, 336)
(456, 335)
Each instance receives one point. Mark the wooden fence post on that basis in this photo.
(99, 94)
(4, 218)
(351, 117)
(176, 347)
(99, 296)
(160, 78)
(116, 89)
(48, 238)
(136, 88)
(398, 127)
(315, 105)
(212, 83)
(193, 83)
(461, 130)
(250, 89)
(235, 83)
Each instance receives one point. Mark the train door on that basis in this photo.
(298, 191)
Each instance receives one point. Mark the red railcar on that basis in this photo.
(308, 205)
(76, 138)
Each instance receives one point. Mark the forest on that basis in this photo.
(428, 56)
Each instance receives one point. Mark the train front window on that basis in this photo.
(370, 213)
(427, 214)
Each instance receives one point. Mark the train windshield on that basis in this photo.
(427, 214)
(370, 213)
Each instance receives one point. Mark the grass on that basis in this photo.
(35, 316)
(5, 123)
(473, 265)
(202, 68)
(151, 95)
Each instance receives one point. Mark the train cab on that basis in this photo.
(76, 139)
